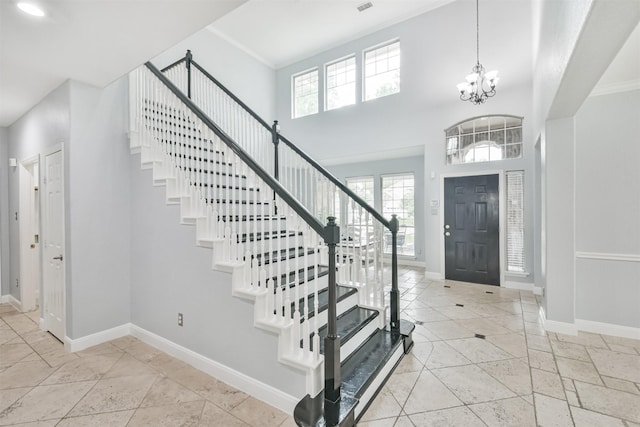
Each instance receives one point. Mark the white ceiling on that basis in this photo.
(280, 32)
(97, 41)
(93, 41)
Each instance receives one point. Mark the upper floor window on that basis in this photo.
(340, 83)
(484, 139)
(382, 71)
(305, 93)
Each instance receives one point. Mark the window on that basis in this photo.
(398, 198)
(515, 221)
(382, 71)
(484, 139)
(341, 83)
(358, 218)
(305, 93)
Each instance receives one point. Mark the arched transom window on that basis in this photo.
(484, 139)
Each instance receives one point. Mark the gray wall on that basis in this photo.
(412, 120)
(607, 197)
(90, 124)
(4, 212)
(98, 272)
(171, 275)
(575, 43)
(41, 129)
(388, 167)
(249, 79)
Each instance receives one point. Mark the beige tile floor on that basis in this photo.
(518, 376)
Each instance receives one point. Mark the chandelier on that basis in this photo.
(479, 85)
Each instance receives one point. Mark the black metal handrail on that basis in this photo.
(284, 194)
(290, 144)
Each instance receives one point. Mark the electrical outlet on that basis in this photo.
(180, 319)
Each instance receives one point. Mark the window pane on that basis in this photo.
(382, 71)
(341, 83)
(485, 139)
(398, 199)
(305, 94)
(515, 221)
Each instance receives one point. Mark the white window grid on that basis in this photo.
(398, 197)
(484, 139)
(382, 70)
(340, 83)
(515, 221)
(305, 93)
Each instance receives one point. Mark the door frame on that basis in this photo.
(45, 207)
(27, 212)
(502, 212)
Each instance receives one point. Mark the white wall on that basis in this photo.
(249, 79)
(97, 211)
(607, 206)
(4, 212)
(170, 274)
(399, 125)
(575, 44)
(41, 129)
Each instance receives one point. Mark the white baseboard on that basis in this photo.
(411, 262)
(537, 290)
(13, 301)
(4, 299)
(608, 329)
(521, 286)
(251, 386)
(431, 275)
(82, 343)
(589, 326)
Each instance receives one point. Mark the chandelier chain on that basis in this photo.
(477, 32)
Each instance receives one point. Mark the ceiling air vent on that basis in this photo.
(365, 6)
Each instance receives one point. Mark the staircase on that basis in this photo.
(307, 251)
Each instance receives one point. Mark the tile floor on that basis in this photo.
(517, 376)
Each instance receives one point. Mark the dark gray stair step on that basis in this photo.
(323, 300)
(293, 278)
(267, 235)
(243, 218)
(284, 254)
(363, 365)
(348, 325)
(236, 202)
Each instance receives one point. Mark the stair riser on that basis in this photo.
(350, 346)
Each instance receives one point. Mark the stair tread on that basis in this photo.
(359, 369)
(282, 255)
(236, 218)
(323, 300)
(311, 275)
(267, 235)
(349, 324)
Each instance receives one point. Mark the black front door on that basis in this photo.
(471, 229)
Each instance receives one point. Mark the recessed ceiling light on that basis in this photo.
(30, 8)
(365, 6)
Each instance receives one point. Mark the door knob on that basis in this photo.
(447, 234)
(59, 257)
(447, 226)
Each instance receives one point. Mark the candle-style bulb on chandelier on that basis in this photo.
(479, 85)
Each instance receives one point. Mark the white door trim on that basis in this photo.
(44, 323)
(502, 215)
(30, 265)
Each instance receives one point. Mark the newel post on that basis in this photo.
(275, 129)
(332, 375)
(395, 294)
(188, 58)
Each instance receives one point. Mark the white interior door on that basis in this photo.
(53, 256)
(29, 234)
